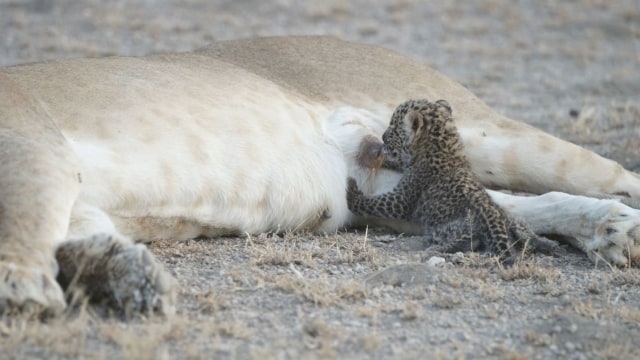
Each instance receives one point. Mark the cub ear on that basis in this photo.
(414, 121)
(444, 108)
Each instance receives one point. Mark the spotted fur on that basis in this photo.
(438, 188)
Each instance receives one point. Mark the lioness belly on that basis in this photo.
(188, 153)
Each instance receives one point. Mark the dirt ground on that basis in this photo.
(568, 67)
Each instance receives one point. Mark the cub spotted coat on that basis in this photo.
(438, 189)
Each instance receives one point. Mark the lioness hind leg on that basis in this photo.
(505, 154)
(116, 273)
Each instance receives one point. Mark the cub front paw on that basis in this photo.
(30, 289)
(353, 193)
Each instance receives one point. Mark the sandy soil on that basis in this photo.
(568, 67)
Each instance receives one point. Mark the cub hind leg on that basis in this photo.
(486, 230)
(511, 240)
(529, 241)
(453, 236)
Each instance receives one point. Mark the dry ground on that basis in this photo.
(569, 67)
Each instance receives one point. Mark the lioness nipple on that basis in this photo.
(370, 154)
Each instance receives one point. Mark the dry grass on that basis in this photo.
(615, 350)
(142, 341)
(307, 250)
(320, 291)
(273, 250)
(412, 311)
(501, 351)
(538, 339)
(66, 335)
(492, 292)
(317, 335)
(446, 301)
(209, 302)
(624, 277)
(531, 270)
(352, 248)
(549, 279)
(371, 342)
(611, 310)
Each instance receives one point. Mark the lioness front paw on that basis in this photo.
(617, 237)
(29, 289)
(117, 273)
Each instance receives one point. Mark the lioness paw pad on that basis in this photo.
(28, 289)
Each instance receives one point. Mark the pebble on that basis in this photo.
(435, 261)
(574, 113)
(460, 336)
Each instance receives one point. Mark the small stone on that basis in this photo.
(460, 336)
(435, 261)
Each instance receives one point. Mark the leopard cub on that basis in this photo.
(439, 190)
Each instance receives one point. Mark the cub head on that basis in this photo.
(409, 121)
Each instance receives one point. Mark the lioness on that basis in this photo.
(244, 137)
